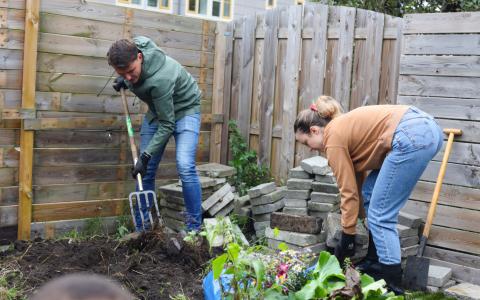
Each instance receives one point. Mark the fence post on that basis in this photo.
(28, 102)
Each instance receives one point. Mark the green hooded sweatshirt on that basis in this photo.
(170, 92)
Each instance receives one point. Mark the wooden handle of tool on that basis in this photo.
(441, 174)
(131, 137)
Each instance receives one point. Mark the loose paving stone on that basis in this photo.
(226, 210)
(205, 182)
(171, 205)
(269, 198)
(295, 223)
(174, 224)
(261, 225)
(325, 188)
(409, 241)
(334, 231)
(172, 190)
(404, 231)
(432, 289)
(300, 211)
(316, 248)
(449, 283)
(216, 170)
(409, 251)
(261, 189)
(297, 194)
(464, 291)
(299, 184)
(261, 217)
(220, 181)
(223, 202)
(295, 202)
(409, 220)
(260, 234)
(245, 211)
(299, 173)
(316, 165)
(318, 214)
(241, 201)
(321, 207)
(325, 198)
(216, 197)
(295, 238)
(329, 178)
(175, 200)
(268, 208)
(438, 276)
(174, 214)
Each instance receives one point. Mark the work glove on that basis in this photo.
(119, 83)
(141, 165)
(345, 247)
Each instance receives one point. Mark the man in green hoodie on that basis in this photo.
(173, 99)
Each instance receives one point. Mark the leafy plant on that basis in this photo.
(123, 225)
(93, 227)
(249, 172)
(225, 230)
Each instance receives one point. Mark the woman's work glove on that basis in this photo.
(119, 83)
(141, 165)
(345, 247)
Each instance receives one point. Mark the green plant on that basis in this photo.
(222, 232)
(93, 227)
(11, 282)
(249, 172)
(123, 226)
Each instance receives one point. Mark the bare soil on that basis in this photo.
(146, 266)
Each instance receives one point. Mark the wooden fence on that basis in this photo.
(440, 73)
(272, 65)
(80, 158)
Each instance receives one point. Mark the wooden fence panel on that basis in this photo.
(439, 73)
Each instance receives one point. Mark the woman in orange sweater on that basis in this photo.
(394, 143)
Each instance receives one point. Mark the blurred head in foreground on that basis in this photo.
(82, 287)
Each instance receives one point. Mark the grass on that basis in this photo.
(11, 282)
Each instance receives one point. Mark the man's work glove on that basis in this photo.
(345, 247)
(141, 165)
(119, 83)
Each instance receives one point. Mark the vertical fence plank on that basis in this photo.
(313, 64)
(290, 100)
(28, 102)
(367, 61)
(343, 63)
(246, 75)
(219, 87)
(268, 85)
(227, 90)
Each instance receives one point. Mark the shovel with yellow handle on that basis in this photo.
(416, 271)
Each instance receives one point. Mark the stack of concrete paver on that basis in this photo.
(265, 199)
(217, 195)
(298, 232)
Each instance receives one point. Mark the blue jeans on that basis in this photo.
(416, 140)
(186, 133)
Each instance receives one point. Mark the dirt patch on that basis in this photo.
(144, 265)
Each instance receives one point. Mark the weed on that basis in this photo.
(93, 227)
(123, 226)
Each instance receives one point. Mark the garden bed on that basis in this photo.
(144, 265)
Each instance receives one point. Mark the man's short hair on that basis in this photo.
(82, 287)
(122, 53)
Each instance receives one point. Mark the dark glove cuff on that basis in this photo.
(145, 157)
(347, 238)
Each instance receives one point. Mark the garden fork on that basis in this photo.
(135, 196)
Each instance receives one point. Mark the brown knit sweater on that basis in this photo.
(356, 142)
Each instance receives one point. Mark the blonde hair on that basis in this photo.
(320, 113)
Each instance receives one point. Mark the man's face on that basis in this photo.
(132, 72)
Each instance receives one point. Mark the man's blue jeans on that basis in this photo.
(416, 140)
(186, 133)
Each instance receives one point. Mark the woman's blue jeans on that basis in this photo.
(416, 140)
(186, 133)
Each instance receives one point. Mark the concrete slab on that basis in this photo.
(316, 248)
(272, 197)
(261, 189)
(268, 208)
(299, 211)
(299, 173)
(329, 178)
(464, 291)
(261, 225)
(409, 251)
(325, 198)
(299, 184)
(409, 220)
(205, 182)
(216, 170)
(409, 241)
(316, 165)
(223, 202)
(295, 203)
(321, 207)
(438, 276)
(216, 197)
(325, 188)
(295, 238)
(404, 231)
(261, 217)
(298, 194)
(295, 223)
